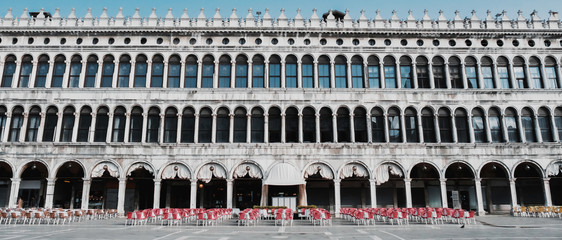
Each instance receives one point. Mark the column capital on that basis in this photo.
(443, 180)
(249, 115)
(546, 179)
(477, 179)
(157, 181)
(15, 180)
(179, 115)
(231, 116)
(373, 181)
(407, 180)
(337, 181)
(229, 180)
(51, 180)
(128, 115)
(162, 115)
(76, 114)
(122, 179)
(512, 180)
(86, 179)
(93, 114)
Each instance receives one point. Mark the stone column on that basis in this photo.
(437, 129)
(513, 192)
(178, 130)
(86, 183)
(454, 128)
(335, 127)
(381, 75)
(33, 74)
(132, 74)
(16, 76)
(414, 75)
(109, 128)
(161, 128)
(66, 74)
(14, 192)
(249, 127)
(463, 75)
(196, 129)
(447, 75)
(199, 73)
(555, 137)
(419, 127)
(316, 85)
(520, 129)
(352, 127)
(373, 184)
(337, 196)
(182, 74)
(300, 131)
(264, 193)
(398, 74)
(266, 74)
(283, 75)
(127, 127)
(57, 128)
(369, 128)
(480, 202)
(470, 128)
(165, 75)
(403, 127)
(115, 73)
(514, 84)
(332, 74)
(232, 74)
(148, 74)
(479, 75)
(505, 135)
(443, 184)
(283, 137)
(91, 130)
(214, 128)
(193, 195)
(408, 189)
(302, 199)
(75, 126)
(8, 123)
(98, 74)
(537, 128)
(229, 190)
(299, 74)
(50, 192)
(121, 196)
(430, 75)
(318, 135)
(144, 123)
(157, 189)
(547, 195)
(231, 128)
(265, 127)
(386, 133)
(495, 76)
(487, 126)
(23, 129)
(348, 74)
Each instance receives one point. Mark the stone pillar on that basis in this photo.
(132, 72)
(214, 128)
(283, 137)
(403, 127)
(381, 75)
(182, 74)
(193, 195)
(157, 190)
(480, 202)
(165, 75)
(300, 131)
(373, 184)
(337, 196)
(299, 74)
(231, 128)
(520, 129)
(249, 127)
(495, 76)
(8, 123)
(505, 135)
(75, 126)
(127, 127)
(91, 130)
(196, 129)
(415, 75)
(232, 74)
(537, 128)
(351, 127)
(408, 189)
(514, 84)
(302, 199)
(23, 129)
(50, 192)
(66, 74)
(33, 75)
(443, 184)
(454, 128)
(419, 127)
(115, 73)
(98, 74)
(386, 133)
(229, 190)
(178, 130)
(463, 75)
(199, 73)
(369, 128)
(264, 193)
(316, 74)
(513, 192)
(148, 74)
(57, 128)
(318, 135)
(109, 128)
(332, 74)
(335, 127)
(547, 195)
(121, 196)
(161, 128)
(437, 129)
(16, 76)
(14, 192)
(283, 80)
(447, 75)
(348, 74)
(430, 74)
(266, 74)
(398, 74)
(470, 128)
(86, 183)
(487, 126)
(265, 127)
(479, 75)
(144, 130)
(250, 72)
(555, 137)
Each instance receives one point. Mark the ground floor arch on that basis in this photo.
(390, 187)
(247, 186)
(319, 179)
(5, 183)
(554, 172)
(139, 193)
(175, 188)
(426, 189)
(461, 187)
(211, 186)
(33, 186)
(495, 187)
(355, 186)
(103, 187)
(68, 186)
(529, 184)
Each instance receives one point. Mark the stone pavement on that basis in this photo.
(487, 227)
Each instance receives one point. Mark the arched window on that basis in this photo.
(461, 123)
(135, 128)
(343, 125)
(406, 72)
(558, 121)
(307, 72)
(445, 125)
(519, 72)
(394, 132)
(258, 71)
(455, 72)
(205, 125)
(51, 119)
(102, 119)
(528, 122)
(495, 125)
(16, 124)
(240, 124)
(324, 72)
(512, 125)
(341, 72)
(357, 76)
(439, 73)
(326, 127)
(141, 66)
(550, 69)
(152, 125)
(257, 125)
(91, 71)
(33, 123)
(422, 71)
(471, 67)
(377, 125)
(360, 124)
(171, 124)
(25, 72)
(373, 72)
(157, 76)
(188, 125)
(291, 125)
(478, 125)
(308, 125)
(488, 73)
(389, 72)
(9, 70)
(274, 125)
(274, 71)
(42, 71)
(3, 111)
(67, 124)
(75, 70)
(58, 71)
(208, 71)
(241, 71)
(107, 72)
(544, 125)
(84, 124)
(118, 131)
(428, 125)
(291, 71)
(124, 71)
(224, 71)
(411, 125)
(174, 69)
(503, 73)
(191, 72)
(223, 125)
(535, 72)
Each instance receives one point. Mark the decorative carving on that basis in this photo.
(210, 170)
(101, 168)
(249, 169)
(176, 170)
(554, 169)
(140, 165)
(320, 168)
(354, 170)
(385, 170)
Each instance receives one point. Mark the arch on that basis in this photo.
(10, 165)
(25, 166)
(138, 165)
(247, 168)
(457, 162)
(284, 174)
(387, 168)
(324, 169)
(502, 164)
(112, 168)
(58, 166)
(354, 169)
(215, 169)
(431, 164)
(175, 170)
(554, 168)
(531, 162)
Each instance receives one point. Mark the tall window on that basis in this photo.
(488, 73)
(307, 72)
(535, 72)
(445, 125)
(377, 125)
(551, 72)
(471, 68)
(188, 125)
(428, 126)
(174, 69)
(343, 125)
(171, 125)
(557, 121)
(422, 71)
(461, 123)
(394, 132)
(224, 72)
(274, 72)
(258, 71)
(223, 125)
(141, 67)
(205, 125)
(33, 122)
(373, 72)
(389, 72)
(75, 70)
(58, 71)
(67, 124)
(406, 72)
(326, 127)
(91, 71)
(495, 125)
(107, 72)
(519, 72)
(124, 71)
(512, 125)
(118, 131)
(3, 111)
(411, 121)
(503, 73)
(274, 125)
(191, 72)
(152, 125)
(439, 73)
(241, 71)
(25, 72)
(157, 76)
(51, 119)
(478, 125)
(102, 119)
(323, 72)
(9, 70)
(544, 125)
(341, 72)
(455, 72)
(528, 124)
(257, 123)
(135, 125)
(42, 71)
(308, 125)
(240, 125)
(15, 124)
(291, 125)
(84, 124)
(291, 72)
(208, 72)
(360, 124)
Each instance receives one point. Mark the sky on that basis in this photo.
(355, 6)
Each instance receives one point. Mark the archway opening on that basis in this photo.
(104, 188)
(33, 185)
(176, 187)
(425, 186)
(211, 186)
(461, 191)
(5, 183)
(554, 172)
(320, 186)
(68, 186)
(529, 184)
(355, 186)
(495, 184)
(247, 186)
(139, 193)
(390, 186)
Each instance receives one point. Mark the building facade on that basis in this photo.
(134, 113)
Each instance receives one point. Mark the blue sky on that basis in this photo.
(290, 6)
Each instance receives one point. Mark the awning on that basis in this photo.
(284, 174)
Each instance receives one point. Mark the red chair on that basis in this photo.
(279, 218)
(140, 217)
(130, 219)
(470, 216)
